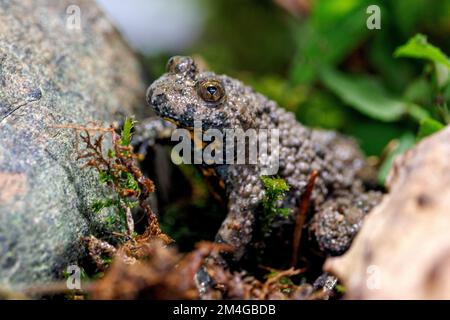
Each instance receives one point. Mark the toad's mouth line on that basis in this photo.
(178, 124)
(172, 121)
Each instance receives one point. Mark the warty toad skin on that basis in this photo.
(339, 199)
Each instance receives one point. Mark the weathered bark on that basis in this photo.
(53, 73)
(403, 249)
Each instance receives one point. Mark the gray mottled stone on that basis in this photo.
(51, 74)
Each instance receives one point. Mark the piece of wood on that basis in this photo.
(403, 248)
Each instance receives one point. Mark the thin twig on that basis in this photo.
(129, 220)
(54, 288)
(266, 288)
(301, 216)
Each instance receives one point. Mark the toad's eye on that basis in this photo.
(211, 90)
(180, 65)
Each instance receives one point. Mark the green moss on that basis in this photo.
(126, 134)
(276, 189)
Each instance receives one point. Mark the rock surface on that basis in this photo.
(59, 64)
(403, 248)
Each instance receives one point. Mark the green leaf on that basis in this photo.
(126, 135)
(279, 89)
(396, 74)
(418, 90)
(442, 74)
(334, 29)
(405, 142)
(365, 95)
(322, 110)
(429, 126)
(417, 112)
(373, 136)
(418, 47)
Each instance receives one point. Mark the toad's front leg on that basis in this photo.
(235, 231)
(245, 193)
(151, 131)
(237, 228)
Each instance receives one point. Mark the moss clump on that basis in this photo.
(276, 189)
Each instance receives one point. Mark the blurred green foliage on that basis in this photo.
(193, 217)
(324, 64)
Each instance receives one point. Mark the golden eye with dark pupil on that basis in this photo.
(211, 90)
